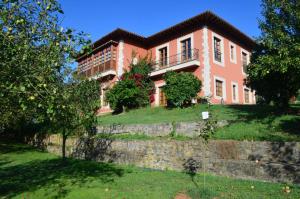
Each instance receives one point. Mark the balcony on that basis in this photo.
(107, 68)
(100, 70)
(176, 62)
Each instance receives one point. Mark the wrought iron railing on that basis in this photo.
(180, 58)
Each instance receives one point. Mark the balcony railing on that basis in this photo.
(100, 68)
(183, 57)
(106, 66)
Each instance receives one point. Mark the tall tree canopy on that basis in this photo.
(37, 84)
(274, 71)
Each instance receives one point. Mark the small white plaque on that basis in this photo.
(205, 115)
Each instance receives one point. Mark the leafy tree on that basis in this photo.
(135, 88)
(274, 72)
(36, 53)
(181, 88)
(298, 96)
(37, 86)
(78, 102)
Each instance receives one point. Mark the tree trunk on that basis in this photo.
(64, 139)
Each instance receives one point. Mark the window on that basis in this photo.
(217, 49)
(163, 56)
(186, 49)
(219, 88)
(246, 95)
(162, 98)
(104, 99)
(232, 53)
(234, 98)
(244, 61)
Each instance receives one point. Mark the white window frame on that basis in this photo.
(223, 88)
(157, 87)
(248, 59)
(250, 95)
(157, 52)
(234, 52)
(179, 40)
(222, 49)
(237, 92)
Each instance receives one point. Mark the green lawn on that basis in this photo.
(28, 173)
(247, 122)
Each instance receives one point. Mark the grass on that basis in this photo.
(28, 173)
(141, 136)
(246, 122)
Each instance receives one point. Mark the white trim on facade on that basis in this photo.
(253, 97)
(222, 63)
(248, 59)
(250, 95)
(206, 64)
(120, 58)
(224, 97)
(234, 52)
(156, 96)
(236, 100)
(180, 39)
(176, 67)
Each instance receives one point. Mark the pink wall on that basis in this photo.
(231, 72)
(128, 50)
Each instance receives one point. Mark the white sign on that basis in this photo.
(205, 115)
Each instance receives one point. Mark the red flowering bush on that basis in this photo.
(135, 88)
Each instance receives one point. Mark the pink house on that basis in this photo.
(206, 45)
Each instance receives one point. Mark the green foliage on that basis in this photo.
(36, 53)
(180, 88)
(259, 122)
(36, 82)
(298, 96)
(274, 72)
(86, 99)
(28, 173)
(135, 88)
(173, 131)
(76, 106)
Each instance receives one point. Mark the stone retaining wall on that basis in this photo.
(189, 129)
(278, 162)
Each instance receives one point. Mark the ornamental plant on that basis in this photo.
(135, 88)
(181, 88)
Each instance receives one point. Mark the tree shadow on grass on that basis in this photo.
(10, 147)
(291, 126)
(54, 175)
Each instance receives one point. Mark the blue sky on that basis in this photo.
(99, 17)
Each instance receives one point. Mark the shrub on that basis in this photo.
(181, 88)
(135, 88)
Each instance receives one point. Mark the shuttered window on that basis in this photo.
(163, 56)
(186, 49)
(219, 88)
(246, 93)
